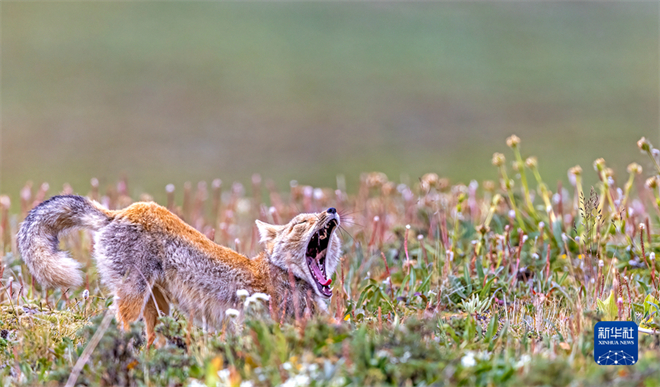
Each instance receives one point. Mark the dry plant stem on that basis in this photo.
(405, 248)
(655, 162)
(547, 263)
(84, 357)
(651, 268)
(515, 272)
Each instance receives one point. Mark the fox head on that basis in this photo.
(308, 246)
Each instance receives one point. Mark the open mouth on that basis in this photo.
(316, 252)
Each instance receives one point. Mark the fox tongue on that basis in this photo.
(319, 274)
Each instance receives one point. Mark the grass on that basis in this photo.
(498, 283)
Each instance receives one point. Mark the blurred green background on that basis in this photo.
(167, 92)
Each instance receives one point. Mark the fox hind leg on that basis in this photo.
(151, 314)
(129, 308)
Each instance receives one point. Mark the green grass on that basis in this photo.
(471, 294)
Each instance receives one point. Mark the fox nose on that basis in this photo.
(331, 210)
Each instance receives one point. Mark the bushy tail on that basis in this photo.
(38, 240)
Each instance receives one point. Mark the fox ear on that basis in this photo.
(267, 232)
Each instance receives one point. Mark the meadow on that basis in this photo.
(495, 283)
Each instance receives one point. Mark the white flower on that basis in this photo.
(255, 298)
(261, 296)
(524, 238)
(524, 359)
(242, 293)
(541, 224)
(468, 360)
(652, 256)
(85, 294)
(224, 375)
(232, 312)
(247, 383)
(512, 214)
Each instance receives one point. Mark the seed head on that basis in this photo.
(489, 185)
(498, 159)
(575, 171)
(609, 172)
(531, 162)
(652, 182)
(429, 180)
(513, 141)
(634, 168)
(599, 164)
(644, 145)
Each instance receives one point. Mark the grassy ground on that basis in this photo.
(482, 285)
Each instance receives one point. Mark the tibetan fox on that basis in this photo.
(148, 258)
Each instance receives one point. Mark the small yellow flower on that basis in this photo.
(563, 256)
(580, 256)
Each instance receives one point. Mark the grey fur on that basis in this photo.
(38, 238)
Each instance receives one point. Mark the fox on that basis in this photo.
(150, 259)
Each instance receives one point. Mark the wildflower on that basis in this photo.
(644, 145)
(563, 256)
(601, 263)
(468, 360)
(375, 179)
(512, 214)
(575, 171)
(498, 159)
(254, 298)
(232, 312)
(524, 359)
(541, 224)
(428, 181)
(261, 296)
(513, 141)
(599, 164)
(652, 257)
(242, 293)
(524, 239)
(652, 182)
(85, 294)
(634, 168)
(531, 162)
